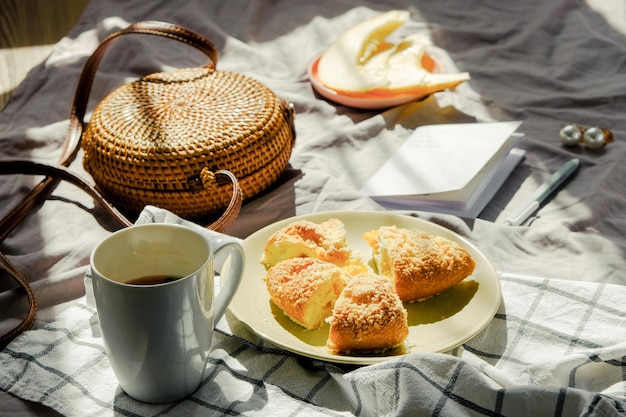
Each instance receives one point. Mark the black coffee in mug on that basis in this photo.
(152, 280)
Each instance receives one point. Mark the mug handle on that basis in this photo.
(229, 284)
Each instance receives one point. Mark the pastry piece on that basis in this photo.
(325, 241)
(421, 264)
(368, 317)
(305, 289)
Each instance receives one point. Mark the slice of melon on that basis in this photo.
(361, 60)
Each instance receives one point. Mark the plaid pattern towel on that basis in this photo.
(554, 348)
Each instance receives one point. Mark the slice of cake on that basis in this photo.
(305, 289)
(326, 241)
(421, 264)
(368, 317)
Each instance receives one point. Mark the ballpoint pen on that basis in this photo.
(525, 210)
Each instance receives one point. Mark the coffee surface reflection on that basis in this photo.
(152, 280)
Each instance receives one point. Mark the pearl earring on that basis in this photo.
(593, 137)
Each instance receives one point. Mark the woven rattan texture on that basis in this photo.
(149, 141)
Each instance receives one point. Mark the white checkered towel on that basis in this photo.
(554, 348)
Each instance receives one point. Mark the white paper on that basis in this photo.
(441, 158)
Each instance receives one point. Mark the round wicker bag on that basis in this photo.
(160, 139)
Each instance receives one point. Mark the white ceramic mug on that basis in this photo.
(158, 336)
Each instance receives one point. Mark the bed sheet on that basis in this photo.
(544, 62)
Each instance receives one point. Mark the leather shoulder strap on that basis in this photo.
(60, 172)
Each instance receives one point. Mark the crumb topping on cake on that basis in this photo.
(421, 264)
